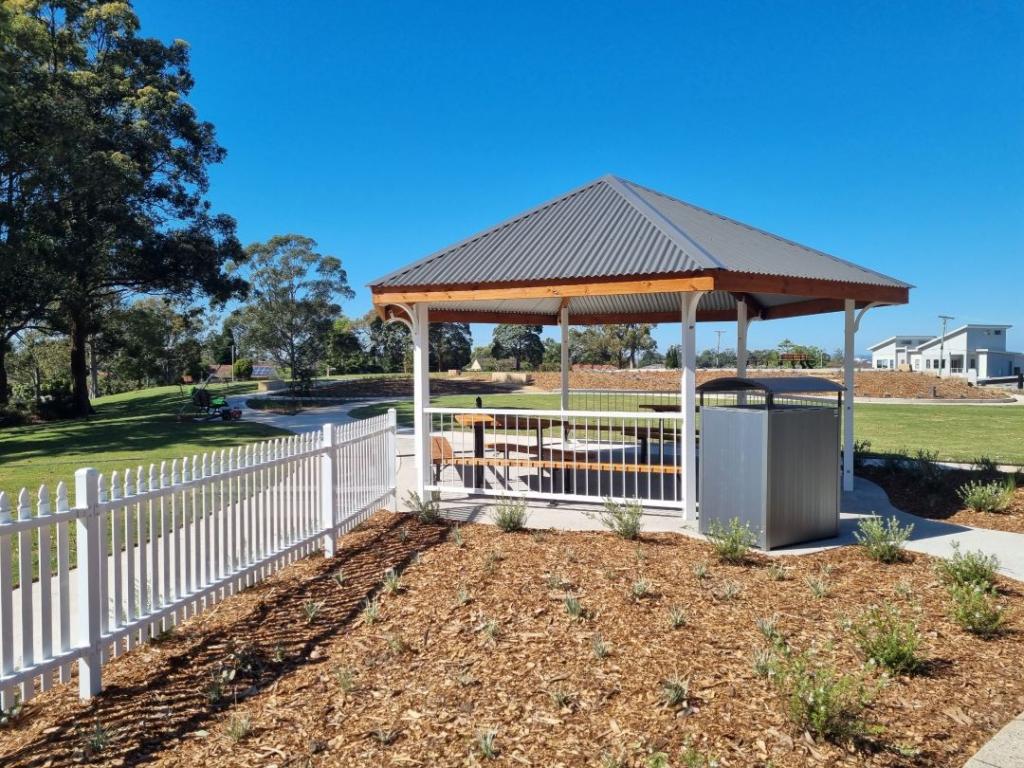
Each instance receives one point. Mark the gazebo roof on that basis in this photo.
(614, 251)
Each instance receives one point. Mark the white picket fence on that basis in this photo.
(157, 545)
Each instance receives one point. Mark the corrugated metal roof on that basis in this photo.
(615, 228)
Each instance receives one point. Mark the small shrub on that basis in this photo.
(371, 610)
(10, 715)
(882, 541)
(700, 571)
(455, 537)
(403, 534)
(976, 608)
(674, 692)
(768, 626)
(886, 638)
(625, 520)
(494, 557)
(925, 468)
(993, 496)
(426, 510)
(971, 568)
(397, 644)
(861, 448)
(657, 760)
(491, 628)
(573, 607)
(510, 514)
(601, 648)
(677, 617)
(485, 744)
(98, 739)
(985, 465)
(463, 596)
(778, 572)
(392, 581)
(822, 700)
(608, 760)
(819, 585)
(731, 542)
(312, 609)
(238, 727)
(691, 757)
(641, 588)
(554, 580)
(385, 736)
(339, 577)
(242, 369)
(762, 662)
(730, 591)
(562, 698)
(345, 678)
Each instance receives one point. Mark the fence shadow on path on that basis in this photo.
(167, 691)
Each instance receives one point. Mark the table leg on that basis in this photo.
(478, 452)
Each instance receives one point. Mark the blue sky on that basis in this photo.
(889, 134)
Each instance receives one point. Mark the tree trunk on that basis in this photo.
(79, 369)
(94, 379)
(4, 397)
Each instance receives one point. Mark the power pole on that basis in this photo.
(718, 349)
(942, 341)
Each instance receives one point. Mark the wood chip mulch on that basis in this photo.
(937, 499)
(478, 639)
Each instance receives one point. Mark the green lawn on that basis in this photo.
(955, 432)
(127, 430)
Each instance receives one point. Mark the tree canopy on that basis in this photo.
(295, 298)
(520, 342)
(110, 167)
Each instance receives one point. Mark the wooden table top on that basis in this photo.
(525, 421)
(660, 407)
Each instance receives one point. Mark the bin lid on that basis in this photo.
(774, 384)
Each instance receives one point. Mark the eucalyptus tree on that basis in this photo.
(520, 342)
(296, 295)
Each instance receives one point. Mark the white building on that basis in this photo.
(973, 351)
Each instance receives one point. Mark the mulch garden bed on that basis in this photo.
(934, 495)
(478, 639)
(884, 384)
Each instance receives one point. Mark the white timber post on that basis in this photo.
(563, 322)
(688, 403)
(850, 331)
(90, 549)
(421, 393)
(741, 336)
(391, 456)
(328, 482)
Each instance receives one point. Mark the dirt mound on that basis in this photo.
(866, 383)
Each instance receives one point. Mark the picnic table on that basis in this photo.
(504, 421)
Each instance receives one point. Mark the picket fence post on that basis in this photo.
(328, 479)
(89, 549)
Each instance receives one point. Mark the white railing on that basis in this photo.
(554, 454)
(630, 400)
(156, 545)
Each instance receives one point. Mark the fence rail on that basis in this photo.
(156, 545)
(553, 454)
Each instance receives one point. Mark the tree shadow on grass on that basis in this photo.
(170, 690)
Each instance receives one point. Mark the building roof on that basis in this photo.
(891, 339)
(613, 231)
(773, 384)
(956, 332)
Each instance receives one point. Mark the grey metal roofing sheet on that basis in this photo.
(615, 228)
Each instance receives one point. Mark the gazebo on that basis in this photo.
(610, 251)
